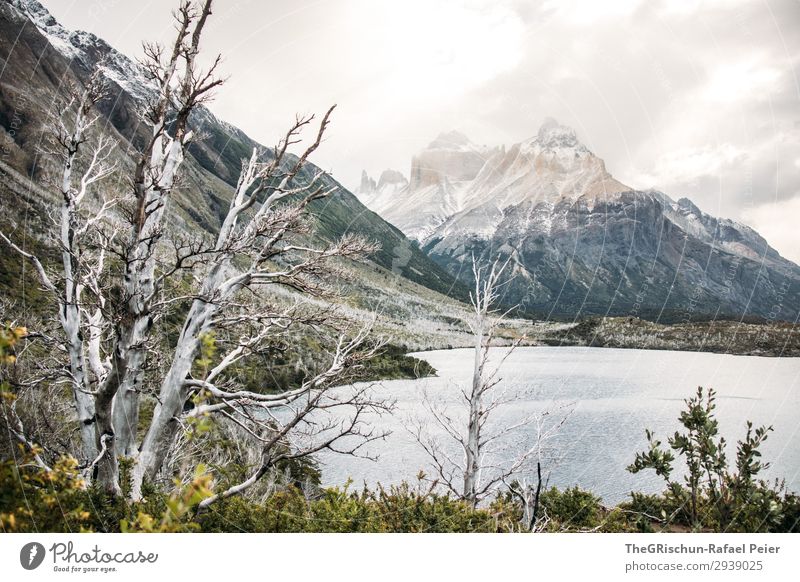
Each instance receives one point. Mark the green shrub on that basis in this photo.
(714, 496)
(572, 509)
(36, 500)
(392, 363)
(397, 509)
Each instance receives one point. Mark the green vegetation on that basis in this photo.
(398, 509)
(58, 501)
(34, 500)
(392, 363)
(756, 338)
(714, 496)
(279, 369)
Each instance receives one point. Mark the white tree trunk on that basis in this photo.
(153, 183)
(172, 395)
(472, 448)
(84, 403)
(70, 310)
(123, 386)
(126, 417)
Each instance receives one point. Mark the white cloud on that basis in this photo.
(740, 81)
(777, 222)
(688, 164)
(668, 8)
(591, 12)
(438, 49)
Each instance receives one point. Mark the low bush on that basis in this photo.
(713, 496)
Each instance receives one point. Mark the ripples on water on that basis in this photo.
(613, 395)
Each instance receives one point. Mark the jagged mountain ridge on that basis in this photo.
(389, 184)
(431, 193)
(584, 243)
(40, 56)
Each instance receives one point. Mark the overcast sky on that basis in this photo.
(697, 99)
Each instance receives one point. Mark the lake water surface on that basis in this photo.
(610, 396)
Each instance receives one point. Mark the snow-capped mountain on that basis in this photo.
(456, 182)
(552, 166)
(375, 195)
(87, 49)
(439, 176)
(41, 58)
(581, 241)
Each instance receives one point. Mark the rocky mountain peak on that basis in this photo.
(88, 51)
(551, 129)
(377, 196)
(450, 140)
(688, 207)
(391, 177)
(367, 185)
(71, 43)
(450, 158)
(555, 137)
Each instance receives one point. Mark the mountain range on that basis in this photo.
(580, 241)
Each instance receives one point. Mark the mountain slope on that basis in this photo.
(40, 57)
(583, 243)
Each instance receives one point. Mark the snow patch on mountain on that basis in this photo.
(59, 37)
(458, 188)
(89, 50)
(381, 194)
(725, 234)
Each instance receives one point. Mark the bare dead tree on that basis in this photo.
(479, 470)
(264, 242)
(266, 209)
(181, 88)
(314, 417)
(71, 125)
(546, 426)
(33, 384)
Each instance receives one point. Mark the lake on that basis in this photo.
(608, 396)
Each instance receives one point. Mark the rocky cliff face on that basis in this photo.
(581, 242)
(438, 176)
(374, 195)
(626, 255)
(450, 158)
(391, 180)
